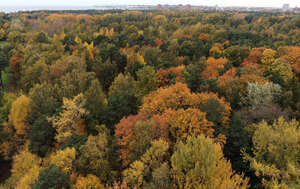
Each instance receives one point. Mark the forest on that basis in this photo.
(155, 99)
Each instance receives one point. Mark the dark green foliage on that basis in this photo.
(3, 64)
(192, 75)
(117, 108)
(275, 77)
(152, 56)
(43, 101)
(74, 142)
(51, 177)
(214, 109)
(95, 99)
(236, 54)
(113, 55)
(3, 60)
(41, 136)
(105, 72)
(146, 82)
(237, 140)
(42, 38)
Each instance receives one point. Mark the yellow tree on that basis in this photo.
(276, 150)
(88, 182)
(18, 114)
(147, 172)
(25, 170)
(183, 123)
(268, 57)
(63, 159)
(70, 120)
(200, 163)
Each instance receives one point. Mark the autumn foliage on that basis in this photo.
(150, 99)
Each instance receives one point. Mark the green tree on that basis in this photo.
(152, 56)
(44, 101)
(94, 157)
(95, 99)
(3, 63)
(51, 177)
(236, 54)
(193, 74)
(146, 81)
(121, 101)
(41, 136)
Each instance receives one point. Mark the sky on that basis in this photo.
(253, 3)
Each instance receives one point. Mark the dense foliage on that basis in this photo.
(149, 99)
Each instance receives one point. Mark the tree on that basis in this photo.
(94, 157)
(41, 136)
(135, 133)
(18, 115)
(217, 111)
(262, 94)
(199, 163)
(174, 97)
(276, 153)
(192, 75)
(152, 56)
(51, 177)
(121, 101)
(3, 63)
(135, 61)
(34, 74)
(64, 159)
(236, 54)
(42, 38)
(76, 141)
(152, 170)
(183, 123)
(25, 170)
(73, 83)
(279, 72)
(105, 72)
(43, 101)
(213, 67)
(146, 81)
(14, 67)
(66, 64)
(6, 103)
(2, 34)
(268, 57)
(122, 85)
(95, 99)
(88, 182)
(70, 120)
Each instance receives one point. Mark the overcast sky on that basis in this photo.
(260, 3)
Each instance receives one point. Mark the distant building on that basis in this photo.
(286, 7)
